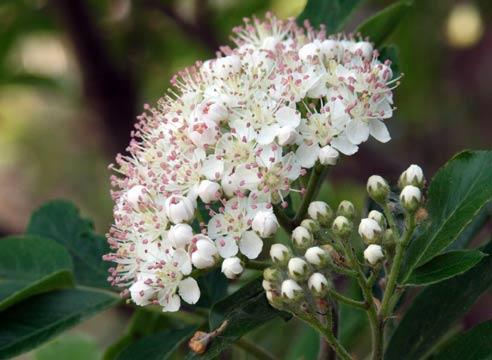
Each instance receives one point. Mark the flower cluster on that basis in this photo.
(321, 245)
(228, 142)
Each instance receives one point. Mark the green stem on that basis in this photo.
(284, 221)
(257, 265)
(391, 219)
(253, 349)
(314, 180)
(346, 300)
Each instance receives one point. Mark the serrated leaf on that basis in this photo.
(332, 13)
(38, 319)
(31, 265)
(444, 266)
(245, 310)
(380, 26)
(436, 308)
(457, 193)
(475, 344)
(61, 221)
(69, 347)
(159, 346)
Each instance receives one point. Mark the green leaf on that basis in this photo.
(352, 322)
(69, 347)
(305, 345)
(60, 220)
(380, 26)
(473, 229)
(31, 265)
(32, 322)
(458, 192)
(332, 13)
(445, 266)
(159, 346)
(213, 287)
(475, 344)
(245, 310)
(436, 308)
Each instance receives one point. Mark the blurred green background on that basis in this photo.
(73, 75)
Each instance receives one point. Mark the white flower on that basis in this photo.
(285, 121)
(209, 191)
(373, 254)
(318, 283)
(205, 252)
(302, 237)
(231, 228)
(298, 268)
(265, 223)
(320, 212)
(316, 255)
(179, 209)
(286, 135)
(232, 267)
(328, 155)
(280, 253)
(180, 235)
(290, 289)
(369, 229)
(410, 197)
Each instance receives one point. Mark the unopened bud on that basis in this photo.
(209, 191)
(179, 209)
(321, 212)
(410, 198)
(280, 254)
(265, 223)
(328, 155)
(317, 256)
(347, 209)
(287, 135)
(180, 235)
(373, 254)
(291, 289)
(302, 237)
(378, 217)
(342, 227)
(370, 231)
(271, 274)
(412, 176)
(205, 254)
(298, 269)
(232, 267)
(311, 225)
(378, 188)
(318, 284)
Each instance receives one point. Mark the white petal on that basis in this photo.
(357, 131)
(226, 246)
(307, 155)
(267, 134)
(189, 290)
(212, 168)
(269, 155)
(215, 225)
(292, 166)
(183, 260)
(250, 244)
(342, 144)
(287, 116)
(170, 303)
(379, 131)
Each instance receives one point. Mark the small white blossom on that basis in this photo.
(297, 268)
(179, 209)
(280, 253)
(316, 255)
(180, 235)
(302, 237)
(410, 197)
(291, 289)
(232, 267)
(369, 230)
(328, 155)
(205, 252)
(373, 254)
(209, 191)
(318, 283)
(265, 223)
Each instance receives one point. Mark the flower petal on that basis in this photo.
(212, 168)
(307, 155)
(183, 260)
(226, 246)
(342, 144)
(267, 134)
(287, 116)
(189, 291)
(379, 131)
(357, 131)
(170, 303)
(250, 245)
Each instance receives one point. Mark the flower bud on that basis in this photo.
(370, 231)
(317, 256)
(179, 209)
(265, 223)
(209, 191)
(180, 235)
(298, 268)
(271, 274)
(378, 217)
(291, 289)
(377, 188)
(302, 237)
(227, 66)
(410, 198)
(232, 267)
(311, 225)
(286, 136)
(135, 195)
(328, 155)
(412, 176)
(347, 209)
(388, 240)
(267, 285)
(321, 212)
(205, 254)
(318, 284)
(373, 254)
(280, 254)
(342, 227)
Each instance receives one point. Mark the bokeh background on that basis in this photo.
(74, 74)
